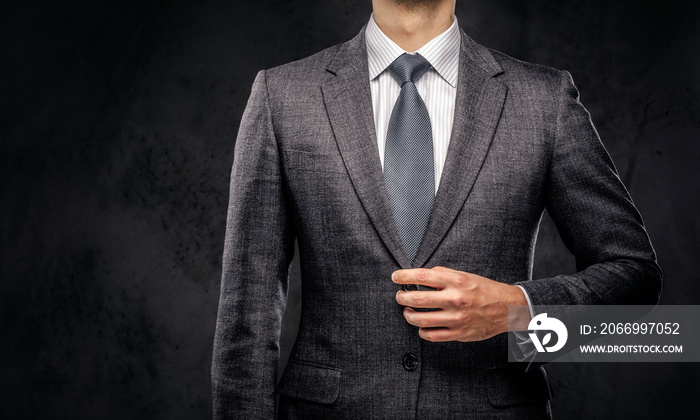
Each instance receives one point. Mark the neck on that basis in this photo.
(413, 23)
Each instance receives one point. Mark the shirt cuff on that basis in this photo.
(527, 350)
(529, 302)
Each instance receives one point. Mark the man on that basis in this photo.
(338, 151)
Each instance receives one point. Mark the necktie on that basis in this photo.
(408, 155)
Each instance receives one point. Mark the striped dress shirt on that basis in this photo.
(437, 87)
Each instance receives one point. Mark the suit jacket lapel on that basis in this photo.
(348, 102)
(478, 107)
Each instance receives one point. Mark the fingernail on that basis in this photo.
(393, 276)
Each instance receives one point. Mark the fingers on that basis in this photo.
(437, 335)
(431, 319)
(440, 299)
(445, 269)
(437, 326)
(419, 299)
(437, 278)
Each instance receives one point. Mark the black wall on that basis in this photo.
(118, 126)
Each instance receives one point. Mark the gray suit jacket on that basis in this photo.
(306, 166)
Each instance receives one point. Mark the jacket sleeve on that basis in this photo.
(596, 219)
(258, 249)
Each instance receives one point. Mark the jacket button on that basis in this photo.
(410, 362)
(409, 287)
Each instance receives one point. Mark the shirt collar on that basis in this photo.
(442, 52)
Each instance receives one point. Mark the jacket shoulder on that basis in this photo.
(308, 70)
(523, 73)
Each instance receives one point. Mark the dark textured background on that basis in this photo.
(118, 126)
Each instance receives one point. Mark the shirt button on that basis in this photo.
(410, 362)
(409, 287)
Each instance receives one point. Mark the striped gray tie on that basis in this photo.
(408, 155)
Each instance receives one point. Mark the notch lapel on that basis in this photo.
(348, 101)
(479, 102)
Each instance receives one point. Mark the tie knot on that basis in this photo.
(408, 68)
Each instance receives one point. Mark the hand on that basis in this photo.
(468, 307)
